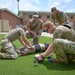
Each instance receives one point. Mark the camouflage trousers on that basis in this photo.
(35, 39)
(64, 49)
(9, 51)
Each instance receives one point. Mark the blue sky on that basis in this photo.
(38, 5)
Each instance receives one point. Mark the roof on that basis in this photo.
(45, 12)
(10, 12)
(70, 13)
(40, 12)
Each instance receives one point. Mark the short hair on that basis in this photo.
(53, 9)
(47, 24)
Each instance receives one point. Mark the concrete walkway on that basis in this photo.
(47, 34)
(43, 34)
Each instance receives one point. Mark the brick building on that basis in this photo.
(13, 19)
(27, 15)
(8, 19)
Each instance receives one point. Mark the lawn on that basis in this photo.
(24, 65)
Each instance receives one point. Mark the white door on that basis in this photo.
(0, 25)
(5, 24)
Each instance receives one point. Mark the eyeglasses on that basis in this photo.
(53, 10)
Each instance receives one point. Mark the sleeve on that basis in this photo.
(22, 32)
(66, 18)
(41, 27)
(53, 17)
(57, 33)
(28, 24)
(61, 14)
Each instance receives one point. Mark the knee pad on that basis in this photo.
(14, 56)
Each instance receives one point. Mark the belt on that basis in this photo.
(67, 26)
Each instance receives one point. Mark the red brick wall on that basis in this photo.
(13, 20)
(44, 17)
(0, 15)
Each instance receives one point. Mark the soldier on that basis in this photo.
(59, 16)
(9, 51)
(34, 27)
(63, 43)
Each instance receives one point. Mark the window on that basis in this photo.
(71, 17)
(30, 16)
(48, 16)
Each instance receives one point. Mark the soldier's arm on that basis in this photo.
(28, 28)
(62, 17)
(24, 38)
(22, 42)
(26, 41)
(41, 28)
(53, 19)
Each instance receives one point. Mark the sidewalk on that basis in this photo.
(47, 34)
(43, 34)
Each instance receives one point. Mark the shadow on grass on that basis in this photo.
(56, 66)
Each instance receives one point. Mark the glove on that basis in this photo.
(51, 59)
(37, 56)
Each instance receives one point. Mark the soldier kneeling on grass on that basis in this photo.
(36, 48)
(7, 48)
(63, 43)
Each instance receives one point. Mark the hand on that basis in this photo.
(38, 36)
(30, 47)
(33, 33)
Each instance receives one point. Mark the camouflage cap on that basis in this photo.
(36, 14)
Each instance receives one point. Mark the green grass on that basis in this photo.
(24, 65)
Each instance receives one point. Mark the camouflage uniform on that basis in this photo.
(6, 43)
(37, 29)
(60, 15)
(64, 43)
